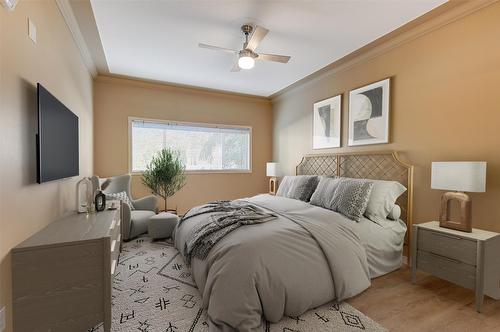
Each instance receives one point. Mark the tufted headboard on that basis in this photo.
(377, 165)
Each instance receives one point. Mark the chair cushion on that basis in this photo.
(139, 222)
(121, 196)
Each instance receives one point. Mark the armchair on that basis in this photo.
(136, 217)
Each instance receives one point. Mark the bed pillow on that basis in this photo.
(303, 187)
(324, 192)
(351, 197)
(395, 213)
(122, 196)
(284, 186)
(382, 199)
(298, 187)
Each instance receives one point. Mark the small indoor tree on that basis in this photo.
(165, 174)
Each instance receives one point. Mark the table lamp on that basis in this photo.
(461, 177)
(272, 172)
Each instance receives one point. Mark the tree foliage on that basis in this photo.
(165, 174)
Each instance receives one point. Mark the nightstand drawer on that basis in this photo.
(447, 269)
(451, 246)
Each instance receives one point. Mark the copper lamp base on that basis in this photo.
(464, 222)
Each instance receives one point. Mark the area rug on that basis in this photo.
(153, 291)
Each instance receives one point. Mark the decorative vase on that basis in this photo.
(84, 196)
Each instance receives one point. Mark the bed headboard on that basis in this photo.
(377, 165)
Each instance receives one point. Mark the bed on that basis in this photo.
(306, 256)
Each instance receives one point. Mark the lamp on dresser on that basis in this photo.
(272, 170)
(461, 177)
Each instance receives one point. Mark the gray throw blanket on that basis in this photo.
(227, 216)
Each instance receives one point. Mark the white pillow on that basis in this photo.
(284, 186)
(395, 213)
(383, 199)
(122, 196)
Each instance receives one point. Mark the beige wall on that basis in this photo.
(445, 106)
(116, 99)
(55, 62)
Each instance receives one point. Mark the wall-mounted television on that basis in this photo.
(57, 139)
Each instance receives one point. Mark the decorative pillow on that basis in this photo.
(324, 192)
(303, 187)
(395, 213)
(297, 186)
(382, 199)
(351, 197)
(122, 196)
(284, 186)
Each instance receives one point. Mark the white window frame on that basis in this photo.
(194, 124)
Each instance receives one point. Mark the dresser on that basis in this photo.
(471, 260)
(62, 275)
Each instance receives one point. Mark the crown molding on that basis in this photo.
(69, 18)
(154, 84)
(433, 20)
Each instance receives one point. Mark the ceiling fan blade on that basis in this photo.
(257, 36)
(236, 67)
(217, 48)
(274, 57)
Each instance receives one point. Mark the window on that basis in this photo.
(202, 147)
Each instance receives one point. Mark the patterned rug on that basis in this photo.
(153, 292)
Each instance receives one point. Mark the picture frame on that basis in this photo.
(327, 123)
(369, 111)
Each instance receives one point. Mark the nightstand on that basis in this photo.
(471, 260)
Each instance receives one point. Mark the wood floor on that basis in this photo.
(430, 305)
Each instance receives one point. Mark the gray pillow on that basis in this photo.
(324, 192)
(351, 197)
(298, 187)
(303, 187)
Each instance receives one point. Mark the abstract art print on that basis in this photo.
(369, 114)
(326, 123)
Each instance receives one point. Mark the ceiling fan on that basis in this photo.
(247, 56)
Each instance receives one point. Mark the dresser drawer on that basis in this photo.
(447, 269)
(454, 247)
(115, 248)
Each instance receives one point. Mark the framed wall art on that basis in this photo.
(369, 114)
(327, 123)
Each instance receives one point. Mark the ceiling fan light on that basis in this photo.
(246, 62)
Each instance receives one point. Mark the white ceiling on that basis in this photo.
(158, 40)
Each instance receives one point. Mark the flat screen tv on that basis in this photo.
(57, 139)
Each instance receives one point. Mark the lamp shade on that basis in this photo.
(467, 176)
(272, 169)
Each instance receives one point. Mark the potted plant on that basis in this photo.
(165, 174)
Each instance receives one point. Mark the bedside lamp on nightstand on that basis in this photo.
(460, 176)
(272, 172)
